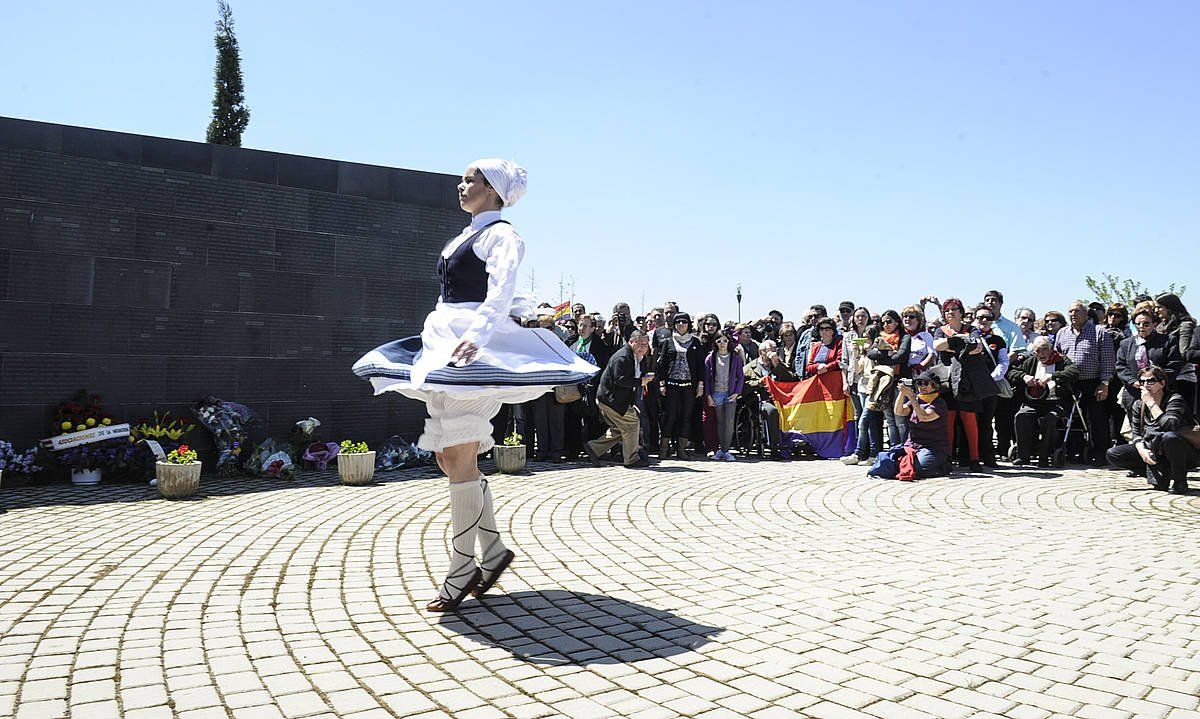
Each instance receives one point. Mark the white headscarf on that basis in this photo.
(523, 307)
(506, 177)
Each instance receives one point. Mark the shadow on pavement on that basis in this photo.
(576, 628)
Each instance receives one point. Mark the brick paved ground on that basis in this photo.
(696, 589)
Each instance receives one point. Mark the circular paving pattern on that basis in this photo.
(692, 589)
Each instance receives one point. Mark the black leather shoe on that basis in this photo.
(638, 463)
(489, 581)
(591, 455)
(449, 605)
(1179, 489)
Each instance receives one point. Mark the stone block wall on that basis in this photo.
(155, 271)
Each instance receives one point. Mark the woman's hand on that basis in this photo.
(906, 391)
(465, 353)
(699, 389)
(1145, 453)
(710, 401)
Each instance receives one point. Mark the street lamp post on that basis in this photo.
(739, 299)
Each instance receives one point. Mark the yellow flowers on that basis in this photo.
(352, 447)
(66, 426)
(91, 422)
(80, 428)
(106, 421)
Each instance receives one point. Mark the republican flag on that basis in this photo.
(817, 411)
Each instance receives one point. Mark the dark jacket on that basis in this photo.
(618, 386)
(666, 357)
(897, 358)
(970, 374)
(1161, 351)
(1193, 351)
(1065, 375)
(1175, 416)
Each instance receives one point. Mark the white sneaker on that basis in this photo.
(851, 459)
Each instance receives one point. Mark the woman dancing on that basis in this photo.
(470, 358)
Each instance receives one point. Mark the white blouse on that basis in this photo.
(501, 249)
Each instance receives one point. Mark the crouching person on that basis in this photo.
(1162, 435)
(926, 451)
(622, 380)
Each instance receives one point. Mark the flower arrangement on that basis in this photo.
(18, 462)
(164, 427)
(230, 425)
(183, 455)
(106, 454)
(514, 440)
(350, 447)
(82, 412)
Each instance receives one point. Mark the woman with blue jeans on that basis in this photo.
(854, 364)
(724, 380)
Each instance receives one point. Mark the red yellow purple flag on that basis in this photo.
(817, 411)
(562, 310)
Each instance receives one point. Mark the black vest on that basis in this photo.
(464, 275)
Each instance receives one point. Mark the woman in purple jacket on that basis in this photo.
(723, 384)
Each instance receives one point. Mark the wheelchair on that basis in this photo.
(1072, 437)
(750, 429)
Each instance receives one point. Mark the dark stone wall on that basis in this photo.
(154, 271)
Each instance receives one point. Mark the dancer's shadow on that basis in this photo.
(561, 627)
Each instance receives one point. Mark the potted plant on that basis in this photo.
(14, 462)
(179, 474)
(510, 456)
(356, 463)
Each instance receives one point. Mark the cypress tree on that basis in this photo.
(230, 114)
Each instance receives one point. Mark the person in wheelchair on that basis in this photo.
(767, 364)
(1163, 436)
(1044, 380)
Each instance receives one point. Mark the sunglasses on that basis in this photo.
(889, 321)
(682, 322)
(723, 340)
(925, 383)
(1149, 380)
(983, 318)
(912, 317)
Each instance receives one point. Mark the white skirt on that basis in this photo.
(518, 364)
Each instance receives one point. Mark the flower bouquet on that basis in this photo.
(398, 453)
(179, 474)
(356, 463)
(230, 424)
(15, 462)
(321, 454)
(82, 412)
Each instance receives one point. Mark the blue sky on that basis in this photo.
(809, 151)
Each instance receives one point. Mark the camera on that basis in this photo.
(906, 381)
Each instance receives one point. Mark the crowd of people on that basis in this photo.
(942, 383)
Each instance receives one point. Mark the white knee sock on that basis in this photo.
(490, 546)
(466, 504)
